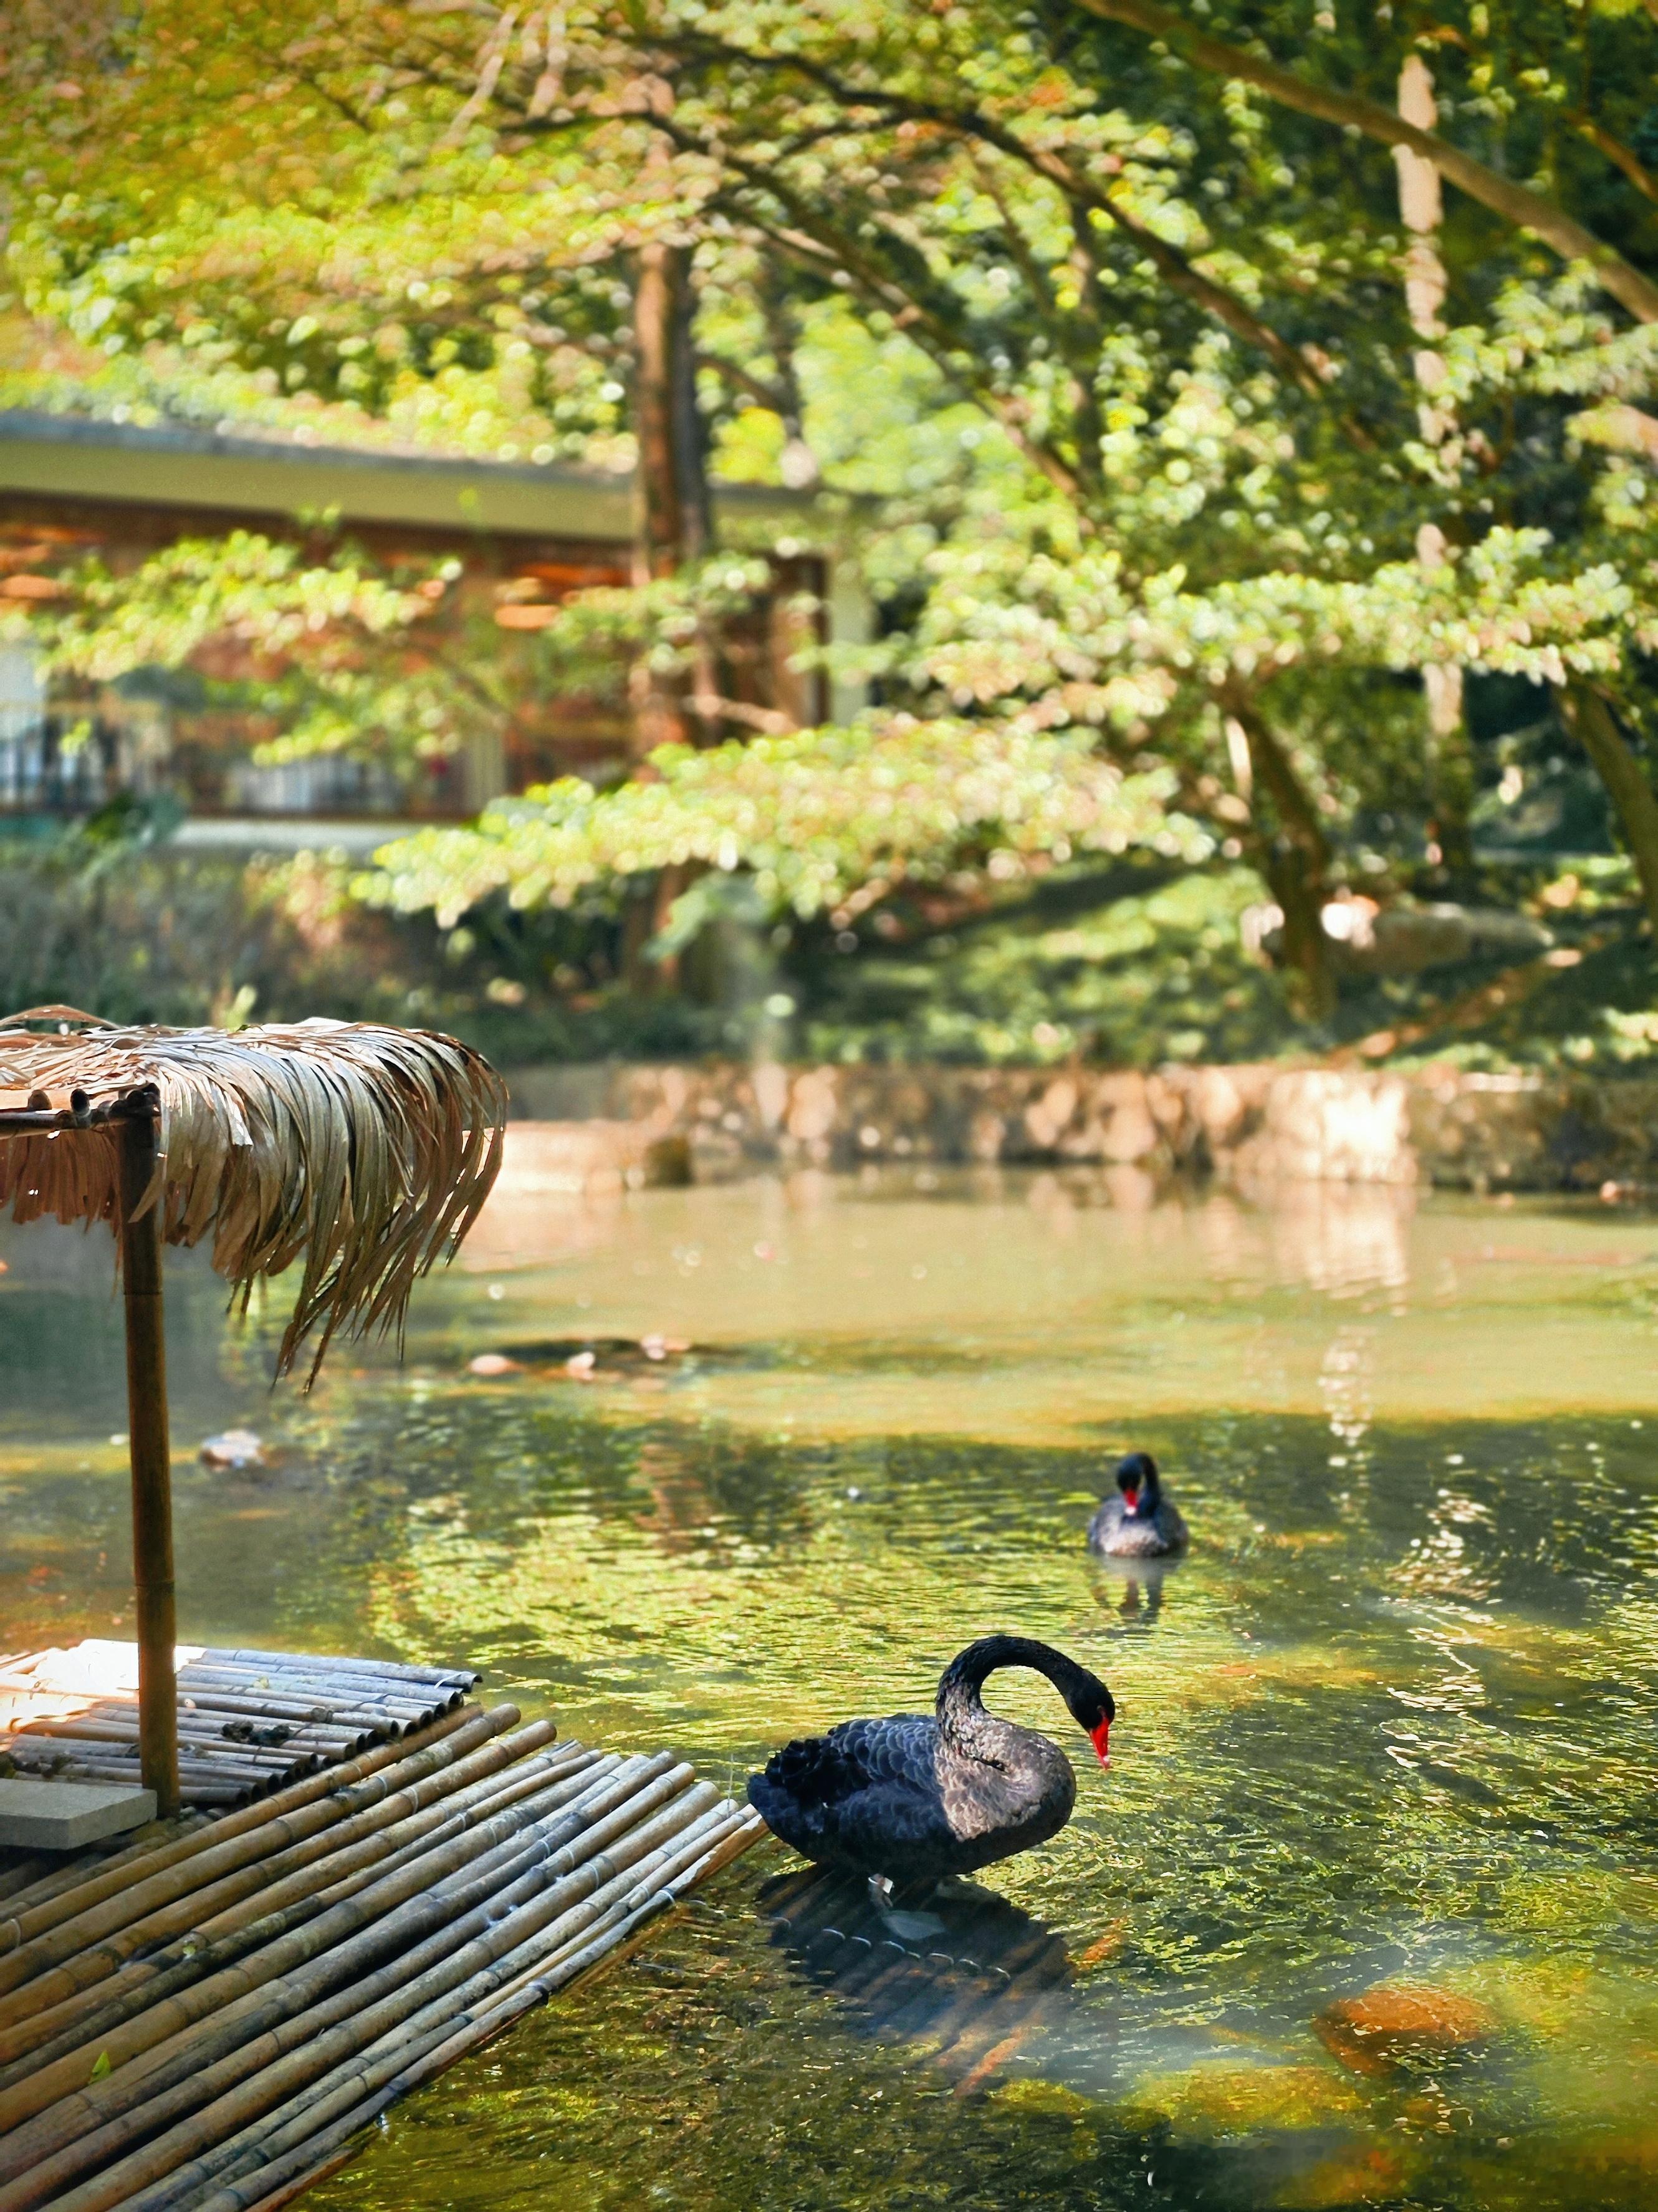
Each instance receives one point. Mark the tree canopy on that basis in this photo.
(1211, 395)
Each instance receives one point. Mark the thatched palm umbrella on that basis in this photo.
(364, 1151)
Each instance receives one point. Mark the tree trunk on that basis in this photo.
(1515, 202)
(1294, 856)
(675, 526)
(673, 496)
(1421, 206)
(674, 516)
(1593, 723)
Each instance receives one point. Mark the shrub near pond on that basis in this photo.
(1129, 965)
(111, 917)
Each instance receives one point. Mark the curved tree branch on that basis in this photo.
(1516, 204)
(1078, 189)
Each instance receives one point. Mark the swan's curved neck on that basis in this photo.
(965, 1725)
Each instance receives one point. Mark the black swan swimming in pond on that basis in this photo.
(915, 1798)
(1140, 1522)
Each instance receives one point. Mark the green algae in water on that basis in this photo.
(1391, 1724)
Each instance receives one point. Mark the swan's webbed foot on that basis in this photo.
(902, 1906)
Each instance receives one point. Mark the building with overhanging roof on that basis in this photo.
(524, 535)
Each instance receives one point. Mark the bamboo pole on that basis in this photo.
(76, 1918)
(123, 1850)
(551, 1788)
(319, 2153)
(279, 2199)
(211, 1943)
(693, 1857)
(552, 1922)
(216, 1784)
(152, 1469)
(285, 2150)
(358, 1692)
(119, 1762)
(293, 1699)
(340, 1679)
(68, 1889)
(464, 1678)
(382, 1680)
(275, 2038)
(352, 2095)
(202, 1736)
(92, 1969)
(294, 1693)
(19, 1876)
(58, 2110)
(410, 2027)
(119, 1724)
(353, 1862)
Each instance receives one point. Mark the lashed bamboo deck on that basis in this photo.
(200, 2022)
(249, 1722)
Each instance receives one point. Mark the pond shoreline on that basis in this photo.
(1437, 1124)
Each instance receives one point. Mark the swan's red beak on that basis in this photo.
(1132, 1496)
(1102, 1741)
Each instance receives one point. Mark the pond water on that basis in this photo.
(1387, 1735)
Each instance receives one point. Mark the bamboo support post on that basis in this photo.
(152, 1471)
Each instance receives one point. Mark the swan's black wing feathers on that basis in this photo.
(854, 1793)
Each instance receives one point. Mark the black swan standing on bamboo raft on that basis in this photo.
(913, 1798)
(1140, 1522)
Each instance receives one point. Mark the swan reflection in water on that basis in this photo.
(1132, 1589)
(970, 1983)
(980, 1991)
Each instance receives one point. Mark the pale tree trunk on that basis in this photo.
(1505, 196)
(1592, 722)
(1291, 851)
(1450, 761)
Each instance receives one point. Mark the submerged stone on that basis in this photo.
(1368, 2174)
(1374, 2030)
(1216, 2099)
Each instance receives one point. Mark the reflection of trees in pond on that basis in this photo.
(684, 1508)
(1343, 1238)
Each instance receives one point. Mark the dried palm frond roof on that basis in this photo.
(368, 1150)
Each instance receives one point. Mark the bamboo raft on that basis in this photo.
(203, 2020)
(249, 1722)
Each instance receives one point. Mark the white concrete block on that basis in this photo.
(61, 1816)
